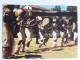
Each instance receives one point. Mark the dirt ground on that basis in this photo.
(48, 51)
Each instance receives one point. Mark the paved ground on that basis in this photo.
(48, 51)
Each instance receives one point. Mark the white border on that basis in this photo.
(43, 2)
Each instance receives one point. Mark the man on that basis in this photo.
(8, 20)
(27, 23)
(54, 31)
(62, 27)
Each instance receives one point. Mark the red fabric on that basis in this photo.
(24, 10)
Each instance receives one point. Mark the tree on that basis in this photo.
(72, 8)
(57, 8)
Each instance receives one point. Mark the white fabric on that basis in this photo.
(41, 36)
(19, 35)
(75, 35)
(64, 39)
(54, 20)
(15, 9)
(28, 8)
(69, 35)
(63, 25)
(67, 31)
(26, 48)
(54, 24)
(74, 26)
(39, 18)
(62, 34)
(54, 34)
(28, 34)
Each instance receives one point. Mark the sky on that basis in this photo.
(45, 3)
(63, 8)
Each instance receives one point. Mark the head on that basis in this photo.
(39, 18)
(28, 9)
(17, 12)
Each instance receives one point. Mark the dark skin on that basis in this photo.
(34, 26)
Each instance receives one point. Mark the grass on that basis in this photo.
(66, 52)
